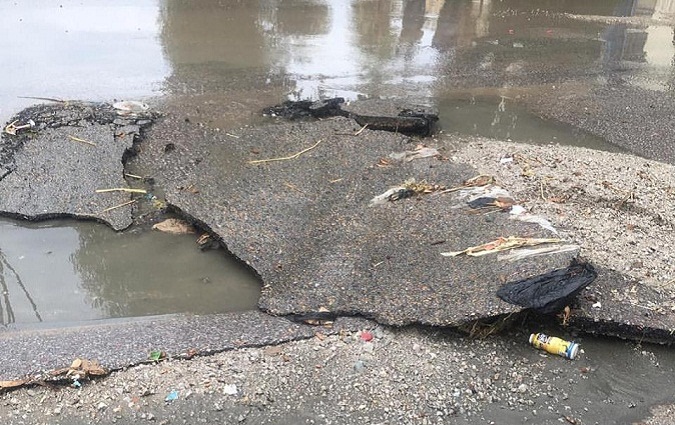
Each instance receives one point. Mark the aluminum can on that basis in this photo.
(555, 345)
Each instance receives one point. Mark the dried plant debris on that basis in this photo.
(485, 327)
(78, 370)
(501, 244)
(474, 182)
(408, 189)
(14, 126)
(83, 368)
(523, 253)
(174, 226)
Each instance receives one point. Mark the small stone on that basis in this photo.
(522, 388)
(101, 406)
(57, 410)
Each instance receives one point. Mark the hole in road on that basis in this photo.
(70, 271)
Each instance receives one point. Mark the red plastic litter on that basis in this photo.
(366, 336)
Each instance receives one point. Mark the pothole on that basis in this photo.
(69, 271)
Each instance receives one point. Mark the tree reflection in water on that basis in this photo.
(6, 311)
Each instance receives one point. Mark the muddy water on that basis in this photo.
(504, 119)
(62, 271)
(79, 50)
(425, 50)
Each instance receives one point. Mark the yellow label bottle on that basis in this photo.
(555, 345)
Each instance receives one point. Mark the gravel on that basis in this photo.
(402, 376)
(617, 207)
(410, 376)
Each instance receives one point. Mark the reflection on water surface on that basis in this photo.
(65, 271)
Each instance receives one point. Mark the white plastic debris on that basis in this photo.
(597, 305)
(489, 191)
(128, 107)
(230, 389)
(520, 254)
(419, 153)
(386, 196)
(519, 213)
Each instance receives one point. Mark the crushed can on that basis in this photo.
(555, 345)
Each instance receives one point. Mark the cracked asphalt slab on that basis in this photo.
(55, 168)
(306, 226)
(617, 207)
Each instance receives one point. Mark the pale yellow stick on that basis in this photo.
(285, 158)
(361, 131)
(121, 189)
(119, 206)
(77, 139)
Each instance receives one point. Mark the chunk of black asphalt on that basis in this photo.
(551, 291)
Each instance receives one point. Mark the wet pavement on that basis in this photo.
(545, 75)
(308, 227)
(68, 163)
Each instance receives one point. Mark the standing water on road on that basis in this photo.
(62, 271)
(485, 64)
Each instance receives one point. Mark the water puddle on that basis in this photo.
(610, 382)
(94, 50)
(65, 271)
(504, 119)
